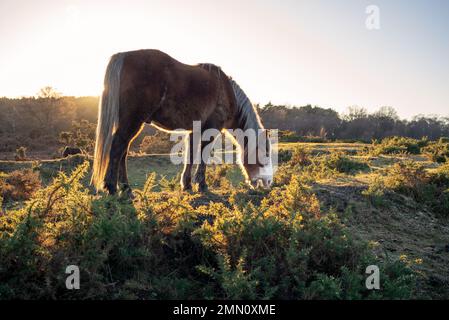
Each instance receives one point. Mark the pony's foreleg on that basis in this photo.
(186, 177)
(200, 174)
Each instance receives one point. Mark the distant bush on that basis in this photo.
(411, 179)
(156, 143)
(19, 185)
(292, 136)
(288, 136)
(312, 168)
(21, 154)
(376, 192)
(81, 135)
(406, 177)
(438, 151)
(300, 156)
(284, 155)
(440, 176)
(313, 139)
(396, 145)
(344, 164)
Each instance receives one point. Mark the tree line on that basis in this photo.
(49, 121)
(356, 124)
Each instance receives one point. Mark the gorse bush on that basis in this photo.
(19, 185)
(156, 143)
(216, 177)
(81, 135)
(396, 145)
(411, 179)
(437, 151)
(20, 154)
(166, 245)
(313, 168)
(300, 156)
(344, 164)
(284, 156)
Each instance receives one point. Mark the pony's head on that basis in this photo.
(255, 156)
(257, 162)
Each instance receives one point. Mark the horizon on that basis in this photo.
(290, 106)
(294, 53)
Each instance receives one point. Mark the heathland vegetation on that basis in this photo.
(335, 209)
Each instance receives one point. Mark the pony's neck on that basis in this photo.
(247, 117)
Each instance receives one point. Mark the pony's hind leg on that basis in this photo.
(119, 149)
(123, 177)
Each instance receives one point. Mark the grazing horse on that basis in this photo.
(149, 86)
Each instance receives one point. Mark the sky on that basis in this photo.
(293, 52)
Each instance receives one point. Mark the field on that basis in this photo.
(335, 209)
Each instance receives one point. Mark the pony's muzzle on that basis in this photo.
(261, 183)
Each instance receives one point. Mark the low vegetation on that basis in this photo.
(303, 239)
(254, 245)
(438, 151)
(19, 185)
(397, 145)
(430, 189)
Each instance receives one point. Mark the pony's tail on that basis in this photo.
(108, 117)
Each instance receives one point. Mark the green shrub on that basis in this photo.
(311, 169)
(288, 136)
(19, 185)
(300, 156)
(81, 135)
(397, 145)
(376, 191)
(21, 154)
(281, 246)
(156, 143)
(216, 176)
(344, 164)
(411, 179)
(284, 156)
(437, 151)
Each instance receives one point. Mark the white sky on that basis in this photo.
(291, 52)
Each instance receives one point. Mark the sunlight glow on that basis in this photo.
(297, 52)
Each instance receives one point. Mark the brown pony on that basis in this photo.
(149, 86)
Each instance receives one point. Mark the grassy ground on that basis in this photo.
(400, 226)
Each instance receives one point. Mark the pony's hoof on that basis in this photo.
(127, 193)
(187, 188)
(203, 188)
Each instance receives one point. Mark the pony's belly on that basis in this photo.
(163, 127)
(178, 118)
